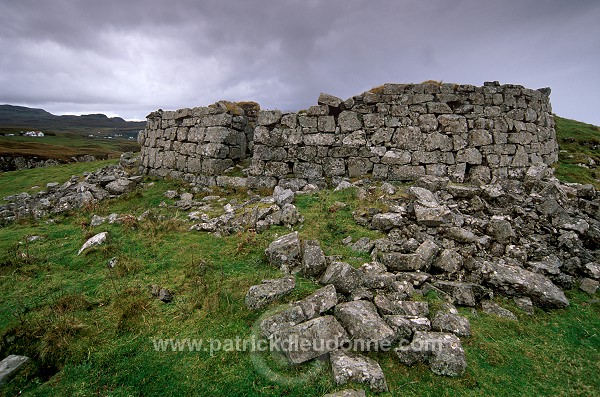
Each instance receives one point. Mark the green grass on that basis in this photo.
(24, 180)
(578, 143)
(63, 146)
(90, 329)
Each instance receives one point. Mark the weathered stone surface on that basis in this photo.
(312, 339)
(432, 216)
(588, 285)
(461, 293)
(347, 393)
(285, 252)
(11, 365)
(329, 100)
(495, 309)
(453, 323)
(367, 329)
(353, 367)
(313, 259)
(513, 280)
(388, 304)
(406, 326)
(342, 275)
(442, 351)
(386, 221)
(96, 240)
(268, 291)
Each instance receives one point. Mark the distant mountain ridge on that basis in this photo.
(12, 116)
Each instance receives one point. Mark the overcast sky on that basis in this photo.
(130, 57)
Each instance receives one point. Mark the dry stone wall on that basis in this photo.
(393, 132)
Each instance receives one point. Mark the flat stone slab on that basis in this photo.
(516, 281)
(453, 323)
(367, 329)
(10, 366)
(268, 291)
(442, 351)
(347, 393)
(387, 304)
(312, 339)
(353, 367)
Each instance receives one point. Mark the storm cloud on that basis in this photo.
(131, 57)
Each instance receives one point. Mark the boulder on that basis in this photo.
(285, 252)
(353, 367)
(432, 216)
(453, 323)
(391, 304)
(386, 221)
(497, 310)
(260, 295)
(516, 281)
(120, 186)
(342, 276)
(313, 259)
(405, 326)
(11, 365)
(312, 339)
(588, 285)
(367, 330)
(461, 293)
(442, 351)
(96, 240)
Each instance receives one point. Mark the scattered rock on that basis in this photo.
(98, 239)
(367, 329)
(353, 367)
(497, 310)
(442, 351)
(285, 252)
(161, 293)
(453, 323)
(261, 295)
(588, 285)
(347, 393)
(10, 366)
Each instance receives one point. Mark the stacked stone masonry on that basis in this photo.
(394, 132)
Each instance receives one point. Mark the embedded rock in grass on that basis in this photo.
(98, 239)
(497, 310)
(364, 325)
(453, 323)
(353, 367)
(120, 186)
(406, 326)
(347, 393)
(312, 339)
(513, 280)
(285, 252)
(443, 352)
(588, 285)
(260, 295)
(464, 294)
(160, 293)
(10, 366)
(363, 244)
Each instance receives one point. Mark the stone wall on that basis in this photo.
(393, 132)
(193, 143)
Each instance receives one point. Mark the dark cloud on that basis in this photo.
(132, 57)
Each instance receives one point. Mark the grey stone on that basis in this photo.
(460, 292)
(342, 276)
(442, 351)
(285, 252)
(592, 269)
(365, 327)
(406, 326)
(588, 285)
(453, 323)
(11, 365)
(313, 259)
(525, 304)
(363, 244)
(329, 100)
(268, 291)
(460, 235)
(283, 196)
(94, 241)
(348, 121)
(312, 339)
(448, 261)
(386, 221)
(432, 216)
(390, 304)
(353, 367)
(513, 280)
(120, 186)
(497, 310)
(347, 393)
(269, 117)
(501, 230)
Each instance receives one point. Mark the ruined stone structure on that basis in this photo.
(393, 132)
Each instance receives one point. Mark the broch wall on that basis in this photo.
(393, 132)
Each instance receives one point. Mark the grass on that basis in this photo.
(64, 146)
(579, 143)
(90, 329)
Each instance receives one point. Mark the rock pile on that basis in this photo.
(524, 239)
(111, 181)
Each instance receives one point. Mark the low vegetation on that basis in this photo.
(91, 328)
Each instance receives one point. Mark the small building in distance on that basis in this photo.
(34, 133)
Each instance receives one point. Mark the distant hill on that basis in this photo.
(20, 117)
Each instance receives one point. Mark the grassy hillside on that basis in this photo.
(579, 155)
(64, 146)
(90, 329)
